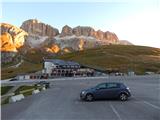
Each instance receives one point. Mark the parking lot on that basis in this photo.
(62, 102)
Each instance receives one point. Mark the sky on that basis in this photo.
(137, 21)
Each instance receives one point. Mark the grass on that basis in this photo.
(121, 57)
(5, 89)
(25, 67)
(26, 90)
(6, 101)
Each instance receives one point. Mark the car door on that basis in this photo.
(112, 90)
(100, 92)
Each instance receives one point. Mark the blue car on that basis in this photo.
(110, 90)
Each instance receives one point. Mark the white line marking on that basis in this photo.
(154, 106)
(115, 111)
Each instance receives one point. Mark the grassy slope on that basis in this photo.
(5, 89)
(124, 58)
(25, 67)
(137, 58)
(32, 63)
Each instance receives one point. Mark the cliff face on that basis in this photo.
(12, 38)
(83, 37)
(89, 32)
(35, 27)
(38, 35)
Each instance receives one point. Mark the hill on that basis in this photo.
(122, 57)
(110, 57)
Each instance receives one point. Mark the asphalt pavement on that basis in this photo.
(62, 102)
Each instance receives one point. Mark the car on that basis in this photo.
(43, 83)
(13, 79)
(109, 90)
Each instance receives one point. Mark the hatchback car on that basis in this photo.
(110, 90)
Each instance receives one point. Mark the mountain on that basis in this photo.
(34, 34)
(43, 36)
(12, 37)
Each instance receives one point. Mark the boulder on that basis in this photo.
(35, 91)
(16, 98)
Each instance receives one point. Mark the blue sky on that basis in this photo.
(129, 20)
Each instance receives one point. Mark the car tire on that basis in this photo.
(123, 97)
(89, 97)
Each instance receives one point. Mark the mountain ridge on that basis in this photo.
(34, 34)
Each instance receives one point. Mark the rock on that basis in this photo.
(11, 36)
(35, 27)
(76, 43)
(66, 31)
(43, 37)
(35, 91)
(7, 43)
(112, 37)
(85, 31)
(43, 88)
(81, 44)
(16, 98)
(53, 49)
(66, 50)
(100, 35)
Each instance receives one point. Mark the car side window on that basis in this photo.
(112, 85)
(102, 86)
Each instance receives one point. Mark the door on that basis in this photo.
(100, 92)
(112, 90)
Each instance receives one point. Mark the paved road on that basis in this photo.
(61, 102)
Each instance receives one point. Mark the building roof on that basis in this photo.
(61, 62)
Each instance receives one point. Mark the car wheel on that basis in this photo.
(123, 97)
(89, 97)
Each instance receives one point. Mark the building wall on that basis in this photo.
(48, 66)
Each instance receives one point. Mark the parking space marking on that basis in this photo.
(115, 111)
(154, 106)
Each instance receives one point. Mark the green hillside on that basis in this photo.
(137, 58)
(113, 57)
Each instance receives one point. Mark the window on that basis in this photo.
(112, 85)
(101, 86)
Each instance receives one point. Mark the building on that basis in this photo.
(61, 68)
(53, 68)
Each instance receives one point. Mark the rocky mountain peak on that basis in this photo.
(35, 27)
(83, 30)
(66, 31)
